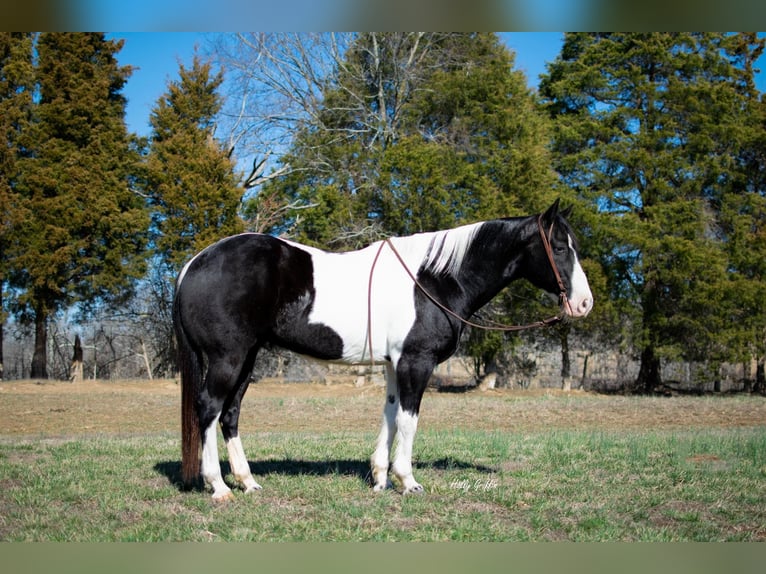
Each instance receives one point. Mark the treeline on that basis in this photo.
(657, 140)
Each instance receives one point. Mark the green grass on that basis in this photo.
(579, 485)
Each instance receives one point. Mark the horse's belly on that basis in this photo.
(348, 316)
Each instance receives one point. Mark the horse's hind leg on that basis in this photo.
(221, 380)
(230, 429)
(239, 465)
(211, 468)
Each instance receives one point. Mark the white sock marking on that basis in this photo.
(239, 465)
(211, 467)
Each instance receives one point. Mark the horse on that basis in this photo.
(399, 302)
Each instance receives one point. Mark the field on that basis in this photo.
(99, 461)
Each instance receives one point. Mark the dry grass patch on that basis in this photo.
(30, 408)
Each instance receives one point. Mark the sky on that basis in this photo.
(156, 57)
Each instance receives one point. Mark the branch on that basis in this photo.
(256, 176)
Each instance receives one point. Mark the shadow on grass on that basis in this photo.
(450, 463)
(293, 467)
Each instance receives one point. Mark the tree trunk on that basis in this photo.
(76, 371)
(147, 364)
(649, 373)
(2, 324)
(566, 361)
(584, 371)
(40, 356)
(760, 378)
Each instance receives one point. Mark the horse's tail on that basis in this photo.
(190, 367)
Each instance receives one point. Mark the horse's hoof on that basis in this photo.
(223, 497)
(382, 487)
(253, 488)
(415, 489)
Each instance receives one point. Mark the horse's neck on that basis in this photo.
(494, 261)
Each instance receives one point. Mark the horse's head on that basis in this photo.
(557, 266)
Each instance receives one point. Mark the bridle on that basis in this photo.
(563, 300)
(491, 326)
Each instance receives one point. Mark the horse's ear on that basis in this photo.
(567, 212)
(551, 213)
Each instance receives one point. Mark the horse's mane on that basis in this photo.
(448, 249)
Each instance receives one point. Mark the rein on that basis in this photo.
(490, 327)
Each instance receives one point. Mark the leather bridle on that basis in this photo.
(492, 326)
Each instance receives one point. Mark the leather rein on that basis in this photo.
(493, 326)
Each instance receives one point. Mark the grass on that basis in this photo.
(482, 486)
(100, 462)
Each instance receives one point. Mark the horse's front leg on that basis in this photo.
(380, 458)
(412, 376)
(407, 426)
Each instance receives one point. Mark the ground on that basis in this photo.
(33, 408)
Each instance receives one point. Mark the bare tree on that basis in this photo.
(278, 84)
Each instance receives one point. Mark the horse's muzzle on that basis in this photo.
(578, 307)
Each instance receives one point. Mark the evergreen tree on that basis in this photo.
(191, 185)
(474, 146)
(16, 85)
(743, 223)
(190, 178)
(84, 227)
(648, 131)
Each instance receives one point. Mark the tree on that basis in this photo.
(416, 132)
(84, 227)
(278, 79)
(192, 188)
(16, 86)
(190, 178)
(743, 224)
(648, 128)
(341, 97)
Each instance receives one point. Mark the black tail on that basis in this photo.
(190, 367)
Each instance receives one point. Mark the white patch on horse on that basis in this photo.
(239, 464)
(211, 468)
(581, 300)
(341, 302)
(406, 427)
(448, 249)
(380, 457)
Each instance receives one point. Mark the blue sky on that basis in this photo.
(157, 55)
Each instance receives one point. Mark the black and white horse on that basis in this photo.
(250, 290)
